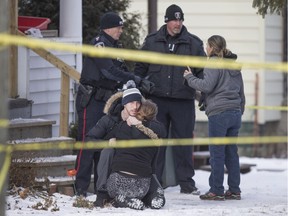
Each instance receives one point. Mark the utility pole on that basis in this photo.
(13, 60)
(152, 16)
(3, 96)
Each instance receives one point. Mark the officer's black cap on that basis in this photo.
(173, 12)
(110, 20)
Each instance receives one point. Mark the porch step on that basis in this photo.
(47, 166)
(32, 154)
(19, 108)
(30, 128)
(51, 172)
(63, 185)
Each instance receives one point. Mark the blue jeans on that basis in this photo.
(225, 124)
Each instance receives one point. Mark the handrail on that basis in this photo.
(67, 69)
(67, 72)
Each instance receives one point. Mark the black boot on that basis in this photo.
(102, 199)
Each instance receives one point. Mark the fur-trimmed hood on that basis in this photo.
(113, 105)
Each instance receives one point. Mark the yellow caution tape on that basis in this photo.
(4, 123)
(138, 56)
(9, 148)
(144, 143)
(281, 108)
(5, 167)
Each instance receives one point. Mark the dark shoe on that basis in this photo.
(232, 196)
(80, 192)
(122, 201)
(189, 189)
(102, 199)
(212, 196)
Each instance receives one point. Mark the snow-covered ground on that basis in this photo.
(264, 192)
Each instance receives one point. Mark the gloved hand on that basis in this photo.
(129, 84)
(201, 103)
(146, 86)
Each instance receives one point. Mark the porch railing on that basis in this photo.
(67, 72)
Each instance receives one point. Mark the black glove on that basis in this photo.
(146, 86)
(201, 103)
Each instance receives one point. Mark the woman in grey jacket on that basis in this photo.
(224, 106)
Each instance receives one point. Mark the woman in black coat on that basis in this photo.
(132, 168)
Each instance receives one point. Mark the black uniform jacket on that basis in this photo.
(105, 73)
(169, 79)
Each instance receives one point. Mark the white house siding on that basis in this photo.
(272, 82)
(248, 35)
(44, 83)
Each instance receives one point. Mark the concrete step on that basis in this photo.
(62, 184)
(43, 167)
(29, 128)
(32, 154)
(19, 108)
(51, 173)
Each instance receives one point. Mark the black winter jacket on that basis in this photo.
(140, 161)
(105, 72)
(168, 79)
(106, 124)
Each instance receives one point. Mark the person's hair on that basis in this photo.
(218, 45)
(147, 111)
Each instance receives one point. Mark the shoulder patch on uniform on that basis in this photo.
(100, 44)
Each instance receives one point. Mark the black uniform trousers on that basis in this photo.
(87, 118)
(178, 117)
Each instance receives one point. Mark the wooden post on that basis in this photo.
(64, 105)
(4, 56)
(13, 60)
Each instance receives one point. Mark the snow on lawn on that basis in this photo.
(264, 192)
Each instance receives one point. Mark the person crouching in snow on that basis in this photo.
(106, 129)
(132, 168)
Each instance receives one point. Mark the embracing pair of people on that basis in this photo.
(126, 175)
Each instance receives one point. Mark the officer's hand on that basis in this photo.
(201, 103)
(112, 142)
(146, 86)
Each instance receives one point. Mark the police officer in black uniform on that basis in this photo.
(100, 78)
(175, 101)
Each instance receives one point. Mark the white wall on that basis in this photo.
(42, 83)
(248, 35)
(272, 91)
